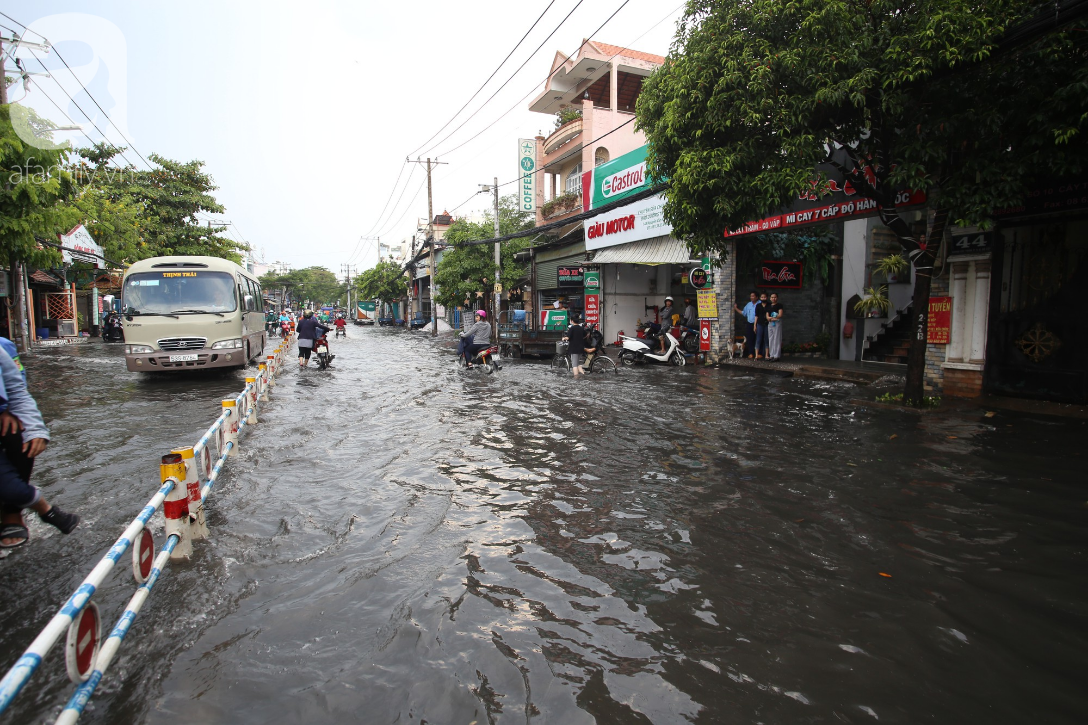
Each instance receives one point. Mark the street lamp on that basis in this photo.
(498, 257)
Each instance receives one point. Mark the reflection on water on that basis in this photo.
(400, 541)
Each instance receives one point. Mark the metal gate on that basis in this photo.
(1037, 347)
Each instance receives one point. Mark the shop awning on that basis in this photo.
(658, 250)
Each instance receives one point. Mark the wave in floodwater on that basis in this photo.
(402, 541)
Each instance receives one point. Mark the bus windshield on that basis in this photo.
(172, 292)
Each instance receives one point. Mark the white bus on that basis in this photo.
(190, 313)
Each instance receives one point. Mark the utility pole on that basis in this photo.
(18, 284)
(498, 265)
(430, 236)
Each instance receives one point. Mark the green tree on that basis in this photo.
(33, 185)
(316, 285)
(934, 95)
(466, 270)
(384, 282)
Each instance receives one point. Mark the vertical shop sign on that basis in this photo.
(592, 283)
(527, 171)
(704, 335)
(939, 326)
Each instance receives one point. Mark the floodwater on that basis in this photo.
(399, 541)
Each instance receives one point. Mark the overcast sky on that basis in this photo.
(304, 112)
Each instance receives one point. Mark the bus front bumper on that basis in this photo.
(185, 360)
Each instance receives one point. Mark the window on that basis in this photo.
(172, 292)
(573, 184)
(600, 156)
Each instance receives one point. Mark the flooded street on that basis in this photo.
(402, 541)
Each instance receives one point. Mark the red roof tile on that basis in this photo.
(627, 52)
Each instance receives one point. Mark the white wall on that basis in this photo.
(854, 276)
(626, 290)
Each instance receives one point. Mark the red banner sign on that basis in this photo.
(939, 326)
(704, 335)
(593, 309)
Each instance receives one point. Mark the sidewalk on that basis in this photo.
(862, 373)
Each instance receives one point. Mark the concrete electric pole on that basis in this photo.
(498, 264)
(430, 236)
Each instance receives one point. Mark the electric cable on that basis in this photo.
(351, 258)
(522, 100)
(484, 84)
(526, 61)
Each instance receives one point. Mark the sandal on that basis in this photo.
(14, 531)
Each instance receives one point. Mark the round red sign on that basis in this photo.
(698, 277)
(81, 650)
(143, 556)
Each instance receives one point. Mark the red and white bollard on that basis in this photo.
(198, 528)
(251, 401)
(228, 432)
(270, 361)
(265, 383)
(176, 506)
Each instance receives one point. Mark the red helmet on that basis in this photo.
(481, 314)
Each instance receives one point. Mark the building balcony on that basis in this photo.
(564, 140)
(562, 206)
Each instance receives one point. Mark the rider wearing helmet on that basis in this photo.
(666, 323)
(475, 338)
(308, 331)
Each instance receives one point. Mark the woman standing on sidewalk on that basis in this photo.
(774, 329)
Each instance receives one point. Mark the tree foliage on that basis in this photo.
(465, 271)
(316, 285)
(32, 188)
(385, 282)
(756, 93)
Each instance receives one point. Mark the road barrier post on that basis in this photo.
(198, 527)
(270, 361)
(265, 382)
(251, 401)
(228, 432)
(176, 506)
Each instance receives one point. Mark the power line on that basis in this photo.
(532, 90)
(85, 90)
(89, 119)
(392, 191)
(531, 55)
(484, 84)
(393, 211)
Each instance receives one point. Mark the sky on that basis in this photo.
(304, 113)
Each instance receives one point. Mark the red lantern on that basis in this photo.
(848, 330)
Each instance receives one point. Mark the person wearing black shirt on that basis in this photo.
(761, 326)
(774, 329)
(576, 344)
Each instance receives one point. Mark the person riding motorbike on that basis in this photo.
(666, 324)
(475, 338)
(341, 326)
(271, 322)
(308, 331)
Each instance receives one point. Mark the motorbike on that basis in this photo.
(341, 331)
(112, 330)
(485, 359)
(689, 339)
(636, 350)
(321, 353)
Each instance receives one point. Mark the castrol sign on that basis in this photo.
(625, 180)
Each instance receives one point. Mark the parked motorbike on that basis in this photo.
(484, 359)
(636, 351)
(321, 353)
(689, 339)
(112, 331)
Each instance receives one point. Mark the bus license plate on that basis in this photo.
(182, 358)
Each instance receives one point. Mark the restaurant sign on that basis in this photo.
(786, 275)
(839, 201)
(79, 246)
